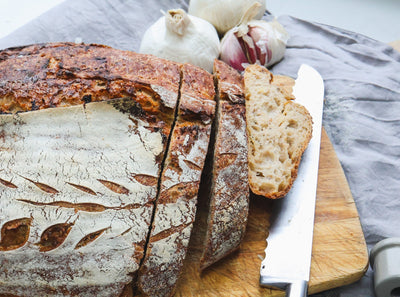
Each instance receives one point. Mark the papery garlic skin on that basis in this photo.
(232, 52)
(182, 38)
(274, 40)
(260, 42)
(224, 14)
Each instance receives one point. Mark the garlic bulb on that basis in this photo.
(254, 41)
(224, 14)
(183, 38)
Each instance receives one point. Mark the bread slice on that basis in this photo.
(177, 200)
(83, 132)
(279, 131)
(228, 187)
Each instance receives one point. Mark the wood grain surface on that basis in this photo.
(339, 255)
(395, 44)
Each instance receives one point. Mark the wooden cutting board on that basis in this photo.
(339, 255)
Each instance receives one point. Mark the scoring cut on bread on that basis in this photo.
(279, 131)
(179, 183)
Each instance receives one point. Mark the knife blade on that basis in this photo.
(288, 254)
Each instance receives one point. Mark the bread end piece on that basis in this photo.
(226, 183)
(279, 131)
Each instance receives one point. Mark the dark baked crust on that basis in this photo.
(46, 76)
(176, 204)
(229, 193)
(63, 74)
(197, 94)
(50, 75)
(230, 83)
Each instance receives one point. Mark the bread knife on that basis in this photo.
(287, 261)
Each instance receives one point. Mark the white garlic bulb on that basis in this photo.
(183, 38)
(224, 14)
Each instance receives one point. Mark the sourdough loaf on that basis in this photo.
(279, 131)
(100, 170)
(228, 193)
(78, 182)
(176, 204)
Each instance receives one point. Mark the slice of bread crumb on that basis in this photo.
(279, 131)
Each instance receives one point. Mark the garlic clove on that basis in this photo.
(232, 52)
(275, 39)
(260, 38)
(249, 48)
(260, 42)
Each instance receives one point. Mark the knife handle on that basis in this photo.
(297, 289)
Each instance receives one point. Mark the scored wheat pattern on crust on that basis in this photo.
(89, 238)
(83, 188)
(7, 183)
(54, 236)
(86, 206)
(15, 233)
(146, 180)
(42, 186)
(114, 187)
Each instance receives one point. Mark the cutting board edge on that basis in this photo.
(351, 220)
(351, 276)
(344, 281)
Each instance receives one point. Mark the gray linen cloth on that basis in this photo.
(362, 107)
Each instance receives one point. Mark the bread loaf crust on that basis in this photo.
(79, 228)
(229, 192)
(176, 204)
(64, 74)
